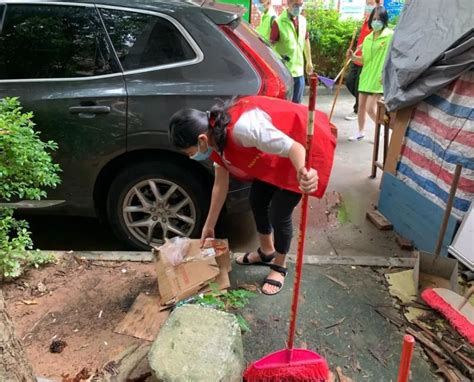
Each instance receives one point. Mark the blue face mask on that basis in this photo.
(295, 10)
(377, 25)
(199, 156)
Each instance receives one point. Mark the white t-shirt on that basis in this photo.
(254, 128)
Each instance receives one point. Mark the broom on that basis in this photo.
(329, 82)
(341, 78)
(293, 364)
(454, 307)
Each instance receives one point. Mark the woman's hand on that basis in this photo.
(349, 54)
(207, 233)
(308, 180)
(309, 68)
(219, 194)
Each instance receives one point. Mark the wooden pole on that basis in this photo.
(447, 211)
(341, 78)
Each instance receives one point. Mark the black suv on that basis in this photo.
(103, 79)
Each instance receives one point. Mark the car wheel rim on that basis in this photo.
(157, 209)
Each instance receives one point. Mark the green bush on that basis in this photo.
(229, 301)
(26, 169)
(330, 37)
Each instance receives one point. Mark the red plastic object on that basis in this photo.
(405, 360)
(288, 365)
(272, 85)
(293, 364)
(457, 320)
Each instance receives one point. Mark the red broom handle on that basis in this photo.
(313, 81)
(405, 360)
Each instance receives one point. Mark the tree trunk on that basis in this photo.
(14, 367)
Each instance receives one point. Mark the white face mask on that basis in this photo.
(377, 25)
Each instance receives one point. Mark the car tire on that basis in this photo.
(176, 205)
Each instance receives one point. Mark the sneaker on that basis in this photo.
(357, 138)
(351, 117)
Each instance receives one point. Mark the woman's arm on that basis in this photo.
(255, 129)
(352, 55)
(308, 179)
(307, 56)
(219, 195)
(297, 155)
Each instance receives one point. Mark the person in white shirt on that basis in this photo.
(259, 139)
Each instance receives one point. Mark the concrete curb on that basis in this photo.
(368, 261)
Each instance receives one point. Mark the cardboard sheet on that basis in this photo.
(199, 268)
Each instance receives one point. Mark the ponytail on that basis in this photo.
(218, 121)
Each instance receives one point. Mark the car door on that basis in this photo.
(57, 59)
(166, 68)
(158, 59)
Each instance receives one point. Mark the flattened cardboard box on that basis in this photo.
(194, 275)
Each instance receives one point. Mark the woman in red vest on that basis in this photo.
(259, 139)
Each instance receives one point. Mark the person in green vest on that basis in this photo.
(352, 79)
(290, 39)
(268, 16)
(374, 50)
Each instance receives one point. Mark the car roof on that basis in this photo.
(155, 5)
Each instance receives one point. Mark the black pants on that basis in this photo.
(352, 83)
(272, 208)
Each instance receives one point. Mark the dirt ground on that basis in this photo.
(80, 303)
(72, 294)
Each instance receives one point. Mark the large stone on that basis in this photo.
(198, 344)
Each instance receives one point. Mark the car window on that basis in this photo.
(2, 11)
(52, 41)
(143, 41)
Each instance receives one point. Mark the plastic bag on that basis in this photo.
(175, 249)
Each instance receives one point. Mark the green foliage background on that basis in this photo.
(26, 168)
(330, 37)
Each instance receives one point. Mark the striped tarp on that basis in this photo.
(440, 135)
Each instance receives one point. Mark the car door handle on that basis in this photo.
(89, 109)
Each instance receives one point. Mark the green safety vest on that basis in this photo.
(374, 52)
(265, 26)
(292, 44)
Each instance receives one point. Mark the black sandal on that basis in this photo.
(281, 270)
(265, 259)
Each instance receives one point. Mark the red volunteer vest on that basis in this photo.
(290, 118)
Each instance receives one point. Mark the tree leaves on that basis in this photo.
(25, 163)
(26, 168)
(330, 37)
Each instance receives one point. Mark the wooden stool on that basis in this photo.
(382, 119)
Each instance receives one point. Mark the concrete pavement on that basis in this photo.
(338, 323)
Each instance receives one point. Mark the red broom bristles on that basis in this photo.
(457, 320)
(300, 373)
